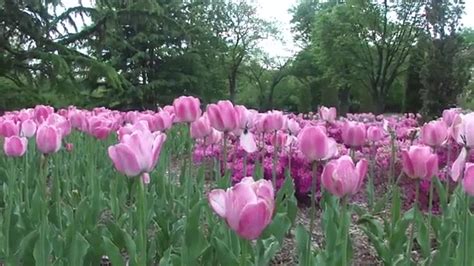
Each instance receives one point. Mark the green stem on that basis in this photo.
(466, 232)
(412, 232)
(345, 229)
(430, 208)
(392, 160)
(313, 205)
(370, 184)
(142, 240)
(243, 255)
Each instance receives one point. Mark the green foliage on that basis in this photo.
(446, 69)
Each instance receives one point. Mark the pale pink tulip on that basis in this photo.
(328, 114)
(15, 146)
(315, 145)
(247, 207)
(353, 133)
(419, 162)
(187, 109)
(341, 177)
(434, 133)
(28, 128)
(48, 138)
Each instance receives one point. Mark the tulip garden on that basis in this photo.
(223, 185)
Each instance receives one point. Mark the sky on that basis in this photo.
(277, 11)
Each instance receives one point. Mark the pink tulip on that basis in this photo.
(434, 133)
(214, 138)
(48, 138)
(137, 153)
(28, 128)
(187, 109)
(201, 128)
(164, 120)
(100, 127)
(42, 112)
(223, 116)
(15, 146)
(273, 121)
(353, 134)
(69, 147)
(61, 123)
(419, 162)
(315, 145)
(292, 126)
(341, 177)
(9, 128)
(247, 207)
(279, 140)
(328, 114)
(79, 120)
(375, 133)
(449, 115)
(468, 181)
(128, 129)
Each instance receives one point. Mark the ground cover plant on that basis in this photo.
(222, 185)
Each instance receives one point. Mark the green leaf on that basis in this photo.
(113, 252)
(270, 247)
(302, 238)
(224, 254)
(279, 227)
(78, 250)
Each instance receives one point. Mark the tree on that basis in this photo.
(39, 44)
(446, 69)
(241, 29)
(267, 73)
(359, 42)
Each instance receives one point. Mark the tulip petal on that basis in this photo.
(253, 220)
(458, 165)
(217, 199)
(124, 160)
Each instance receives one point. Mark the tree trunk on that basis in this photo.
(380, 105)
(232, 88)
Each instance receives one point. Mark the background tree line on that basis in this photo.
(357, 55)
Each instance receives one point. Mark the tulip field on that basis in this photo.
(221, 184)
